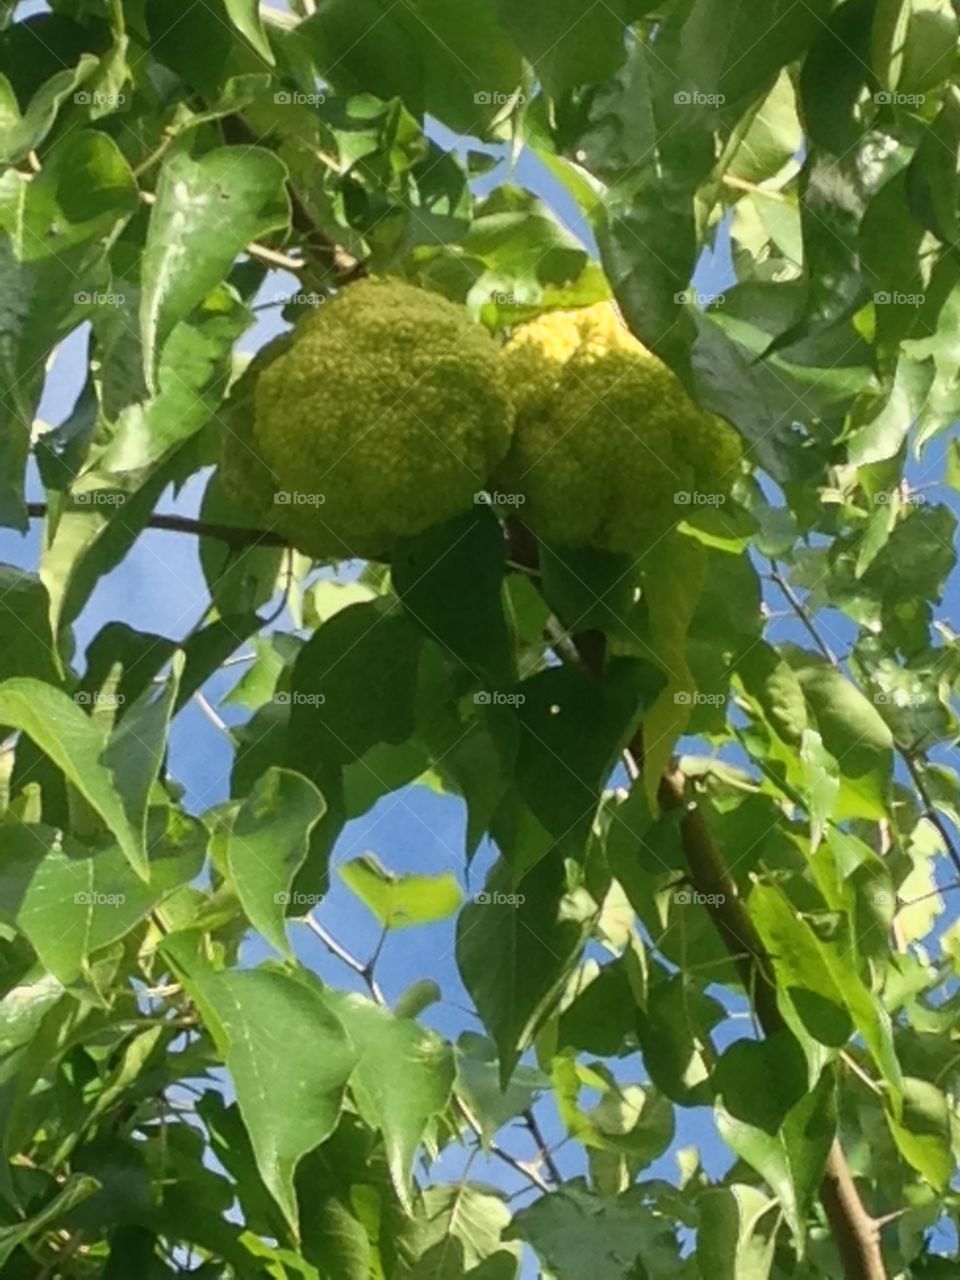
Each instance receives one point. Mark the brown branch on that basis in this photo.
(234, 535)
(856, 1233)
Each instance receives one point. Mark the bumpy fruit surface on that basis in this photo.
(383, 413)
(607, 443)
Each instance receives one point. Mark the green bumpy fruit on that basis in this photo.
(384, 412)
(606, 437)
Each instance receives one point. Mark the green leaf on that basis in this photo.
(195, 364)
(71, 901)
(478, 1083)
(572, 730)
(923, 1133)
(671, 594)
(450, 580)
(853, 732)
(458, 66)
(24, 1007)
(736, 52)
(237, 578)
(516, 945)
(577, 1234)
(88, 539)
(365, 46)
(456, 1227)
(267, 845)
(245, 16)
(569, 42)
(137, 747)
(821, 992)
(74, 744)
(737, 1234)
(674, 1029)
(206, 212)
(22, 135)
(399, 901)
(792, 1159)
(403, 1078)
(26, 643)
(471, 68)
(354, 683)
(74, 1192)
(634, 1122)
(288, 1055)
(43, 295)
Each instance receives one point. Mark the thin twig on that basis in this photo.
(546, 1155)
(349, 959)
(521, 1166)
(70, 1247)
(212, 714)
(803, 613)
(929, 812)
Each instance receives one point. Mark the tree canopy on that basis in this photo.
(708, 791)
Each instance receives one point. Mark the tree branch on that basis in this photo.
(856, 1233)
(929, 812)
(233, 535)
(514, 1162)
(365, 971)
(543, 1147)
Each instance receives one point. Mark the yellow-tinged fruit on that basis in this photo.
(607, 442)
(385, 413)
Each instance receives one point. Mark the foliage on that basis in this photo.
(763, 929)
